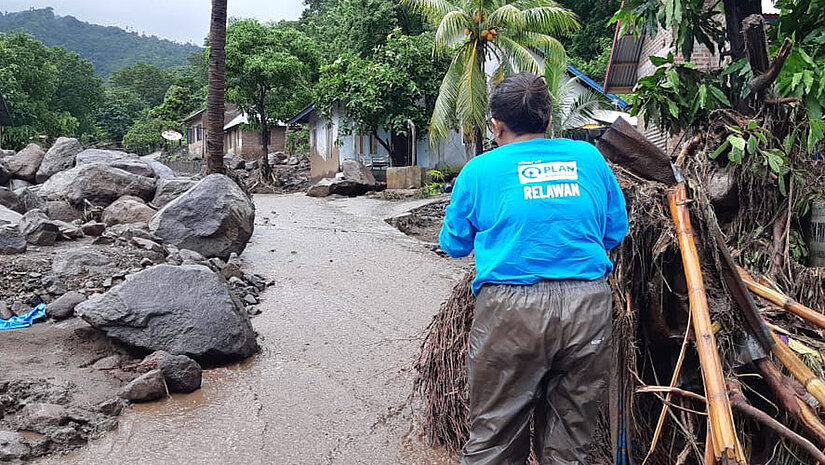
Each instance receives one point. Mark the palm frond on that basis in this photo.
(580, 110)
(507, 16)
(443, 117)
(553, 19)
(432, 10)
(471, 101)
(504, 69)
(522, 58)
(544, 46)
(451, 29)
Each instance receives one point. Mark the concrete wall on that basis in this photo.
(324, 152)
(197, 148)
(247, 144)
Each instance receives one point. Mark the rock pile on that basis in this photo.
(355, 179)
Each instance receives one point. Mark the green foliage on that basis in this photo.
(147, 81)
(690, 21)
(519, 34)
(107, 48)
(297, 142)
(589, 47)
(570, 111)
(144, 136)
(676, 95)
(177, 105)
(49, 92)
(120, 109)
(399, 83)
(270, 70)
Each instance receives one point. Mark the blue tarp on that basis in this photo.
(26, 320)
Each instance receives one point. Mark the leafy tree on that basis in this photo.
(79, 90)
(516, 34)
(398, 84)
(149, 82)
(589, 48)
(144, 136)
(119, 111)
(270, 72)
(179, 103)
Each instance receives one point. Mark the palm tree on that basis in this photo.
(512, 35)
(570, 110)
(217, 89)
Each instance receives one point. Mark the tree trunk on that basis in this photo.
(479, 133)
(735, 12)
(215, 99)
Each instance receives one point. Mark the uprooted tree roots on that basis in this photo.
(763, 227)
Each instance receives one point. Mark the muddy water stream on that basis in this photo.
(338, 332)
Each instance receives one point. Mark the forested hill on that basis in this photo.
(107, 47)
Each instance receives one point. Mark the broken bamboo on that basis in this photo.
(798, 369)
(783, 301)
(737, 399)
(726, 447)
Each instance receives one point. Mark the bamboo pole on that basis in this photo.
(782, 300)
(726, 447)
(798, 369)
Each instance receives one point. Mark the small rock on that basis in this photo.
(250, 299)
(38, 228)
(182, 374)
(61, 210)
(107, 283)
(25, 163)
(67, 436)
(80, 261)
(63, 306)
(11, 240)
(234, 281)
(186, 254)
(42, 417)
(93, 228)
(111, 407)
(5, 311)
(146, 262)
(20, 309)
(103, 240)
(155, 358)
(13, 446)
(257, 281)
(252, 311)
(146, 244)
(217, 263)
(69, 230)
(10, 200)
(231, 270)
(107, 363)
(147, 387)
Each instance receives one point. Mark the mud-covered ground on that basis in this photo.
(423, 223)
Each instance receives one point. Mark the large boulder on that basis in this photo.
(30, 198)
(329, 186)
(184, 310)
(63, 306)
(25, 163)
(161, 171)
(357, 172)
(97, 183)
(10, 200)
(11, 241)
(61, 210)
(8, 216)
(5, 176)
(127, 209)
(170, 189)
(59, 158)
(213, 218)
(121, 160)
(38, 228)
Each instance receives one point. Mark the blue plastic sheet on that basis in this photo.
(26, 320)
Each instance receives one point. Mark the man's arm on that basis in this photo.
(458, 233)
(616, 228)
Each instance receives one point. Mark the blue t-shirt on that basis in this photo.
(533, 210)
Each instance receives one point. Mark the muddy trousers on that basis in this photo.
(537, 352)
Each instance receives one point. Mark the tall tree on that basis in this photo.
(271, 70)
(514, 35)
(215, 99)
(147, 81)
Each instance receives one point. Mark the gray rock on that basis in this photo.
(357, 172)
(25, 163)
(69, 230)
(234, 163)
(329, 186)
(251, 165)
(147, 244)
(60, 157)
(30, 198)
(292, 161)
(38, 228)
(5, 311)
(82, 261)
(66, 435)
(61, 210)
(277, 158)
(186, 254)
(11, 241)
(250, 299)
(10, 200)
(13, 446)
(127, 209)
(111, 407)
(148, 387)
(146, 262)
(42, 417)
(96, 183)
(93, 228)
(130, 230)
(161, 171)
(20, 309)
(5, 176)
(214, 218)
(63, 306)
(165, 308)
(8, 216)
(182, 374)
(170, 189)
(15, 184)
(121, 160)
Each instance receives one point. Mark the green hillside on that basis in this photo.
(107, 47)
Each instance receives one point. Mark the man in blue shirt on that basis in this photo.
(541, 215)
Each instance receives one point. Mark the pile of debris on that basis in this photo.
(284, 175)
(136, 253)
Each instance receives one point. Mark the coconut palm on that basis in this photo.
(217, 89)
(508, 35)
(571, 110)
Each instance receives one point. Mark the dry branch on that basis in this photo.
(790, 395)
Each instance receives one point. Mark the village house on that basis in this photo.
(330, 144)
(238, 140)
(5, 118)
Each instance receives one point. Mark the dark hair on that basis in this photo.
(522, 102)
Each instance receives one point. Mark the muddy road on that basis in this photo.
(338, 331)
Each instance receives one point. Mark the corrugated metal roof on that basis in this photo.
(5, 116)
(302, 116)
(624, 61)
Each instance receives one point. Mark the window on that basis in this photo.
(358, 144)
(373, 145)
(199, 133)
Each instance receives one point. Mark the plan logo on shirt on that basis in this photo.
(552, 171)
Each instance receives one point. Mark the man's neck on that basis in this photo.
(512, 138)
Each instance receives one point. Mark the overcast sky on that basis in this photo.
(179, 20)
